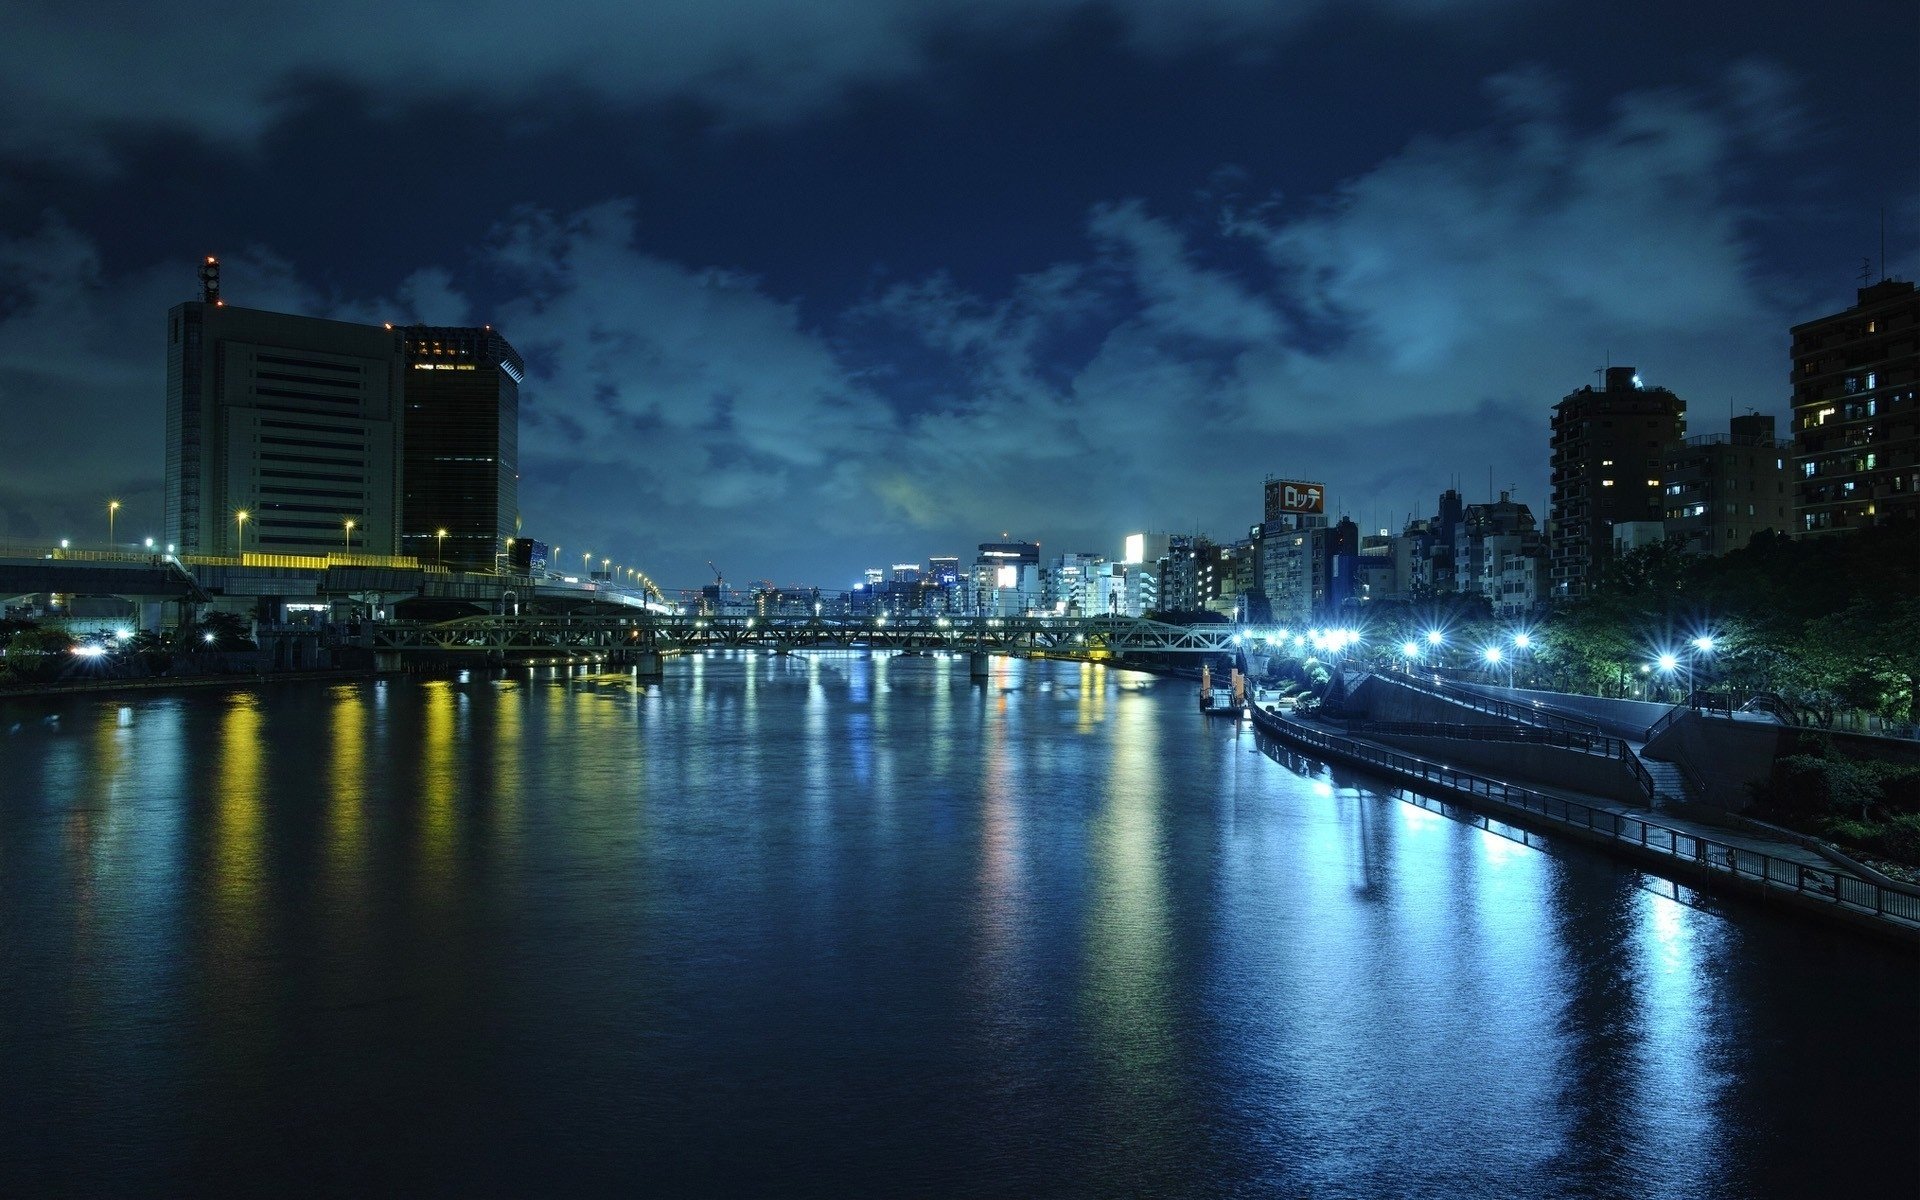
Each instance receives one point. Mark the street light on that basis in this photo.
(240, 531)
(113, 506)
(439, 551)
(586, 563)
(1494, 658)
(1665, 663)
(1703, 644)
(349, 535)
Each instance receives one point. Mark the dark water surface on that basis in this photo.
(838, 926)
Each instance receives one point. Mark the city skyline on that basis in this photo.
(915, 296)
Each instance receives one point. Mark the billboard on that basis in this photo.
(1136, 547)
(1294, 497)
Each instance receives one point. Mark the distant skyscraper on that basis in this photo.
(1610, 445)
(1856, 427)
(293, 421)
(462, 445)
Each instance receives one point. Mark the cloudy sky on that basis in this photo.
(804, 288)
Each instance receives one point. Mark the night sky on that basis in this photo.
(804, 288)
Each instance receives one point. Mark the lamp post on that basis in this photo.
(586, 563)
(1701, 645)
(349, 535)
(1522, 645)
(1667, 664)
(439, 549)
(1494, 658)
(113, 506)
(240, 532)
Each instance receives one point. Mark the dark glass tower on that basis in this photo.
(461, 445)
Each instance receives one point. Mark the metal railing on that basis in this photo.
(1701, 853)
(1667, 718)
(1599, 744)
(1526, 714)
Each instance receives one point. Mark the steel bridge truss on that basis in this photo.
(1094, 637)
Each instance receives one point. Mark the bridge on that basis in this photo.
(375, 582)
(645, 637)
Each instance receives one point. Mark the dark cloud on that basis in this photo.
(1154, 348)
(229, 70)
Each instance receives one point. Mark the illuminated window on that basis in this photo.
(1653, 483)
(1606, 483)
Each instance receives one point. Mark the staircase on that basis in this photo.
(1670, 785)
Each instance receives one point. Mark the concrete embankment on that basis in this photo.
(1711, 859)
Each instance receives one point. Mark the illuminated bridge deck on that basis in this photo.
(1091, 637)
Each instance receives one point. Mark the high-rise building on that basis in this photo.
(1722, 488)
(283, 432)
(1856, 429)
(461, 445)
(1610, 445)
(1006, 578)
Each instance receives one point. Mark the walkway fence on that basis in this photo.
(1844, 891)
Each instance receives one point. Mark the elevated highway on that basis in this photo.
(377, 581)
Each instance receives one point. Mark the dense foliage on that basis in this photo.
(1826, 625)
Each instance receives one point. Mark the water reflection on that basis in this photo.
(835, 926)
(1129, 988)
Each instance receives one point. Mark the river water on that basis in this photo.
(839, 926)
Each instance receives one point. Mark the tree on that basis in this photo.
(39, 654)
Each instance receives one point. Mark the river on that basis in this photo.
(840, 926)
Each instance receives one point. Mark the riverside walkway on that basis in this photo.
(1708, 856)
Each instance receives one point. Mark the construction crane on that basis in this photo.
(719, 588)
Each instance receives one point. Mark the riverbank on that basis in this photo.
(1710, 858)
(107, 687)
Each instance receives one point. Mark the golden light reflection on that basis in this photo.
(1129, 990)
(347, 782)
(238, 876)
(438, 768)
(509, 719)
(1091, 706)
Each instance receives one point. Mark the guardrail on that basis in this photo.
(1586, 743)
(1700, 853)
(1529, 714)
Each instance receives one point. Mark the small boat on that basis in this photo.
(1222, 701)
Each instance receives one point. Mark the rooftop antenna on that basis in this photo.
(1866, 271)
(1883, 242)
(210, 281)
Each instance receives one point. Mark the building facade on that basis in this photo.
(284, 433)
(1499, 553)
(1856, 430)
(1724, 488)
(1610, 445)
(461, 445)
